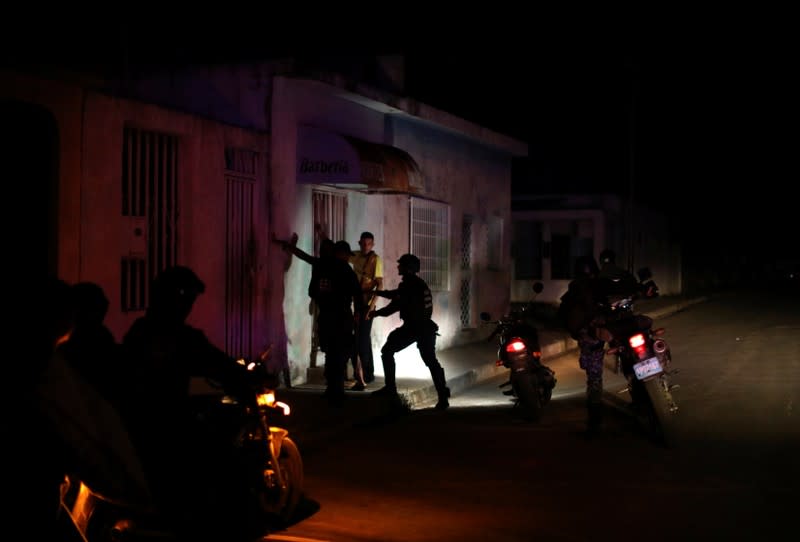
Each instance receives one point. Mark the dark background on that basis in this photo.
(695, 111)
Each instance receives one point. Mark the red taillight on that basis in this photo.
(638, 344)
(515, 346)
(636, 341)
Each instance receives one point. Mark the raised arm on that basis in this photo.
(290, 246)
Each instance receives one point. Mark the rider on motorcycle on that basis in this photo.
(615, 280)
(193, 475)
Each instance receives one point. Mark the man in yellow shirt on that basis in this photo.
(368, 266)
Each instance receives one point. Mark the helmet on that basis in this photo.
(174, 290)
(91, 303)
(410, 262)
(585, 266)
(608, 256)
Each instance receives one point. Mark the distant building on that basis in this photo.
(551, 231)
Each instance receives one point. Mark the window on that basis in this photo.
(430, 241)
(527, 250)
(330, 212)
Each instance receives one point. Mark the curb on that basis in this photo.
(317, 433)
(556, 347)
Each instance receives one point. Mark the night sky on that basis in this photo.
(707, 101)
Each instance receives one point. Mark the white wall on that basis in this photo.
(468, 176)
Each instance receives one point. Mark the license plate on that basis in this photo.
(648, 367)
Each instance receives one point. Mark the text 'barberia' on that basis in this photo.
(324, 166)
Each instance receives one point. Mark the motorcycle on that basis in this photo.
(101, 514)
(644, 358)
(519, 350)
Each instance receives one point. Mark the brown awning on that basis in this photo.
(325, 157)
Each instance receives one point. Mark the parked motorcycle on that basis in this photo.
(100, 515)
(519, 350)
(644, 358)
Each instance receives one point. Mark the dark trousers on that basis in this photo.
(425, 337)
(364, 347)
(336, 340)
(591, 361)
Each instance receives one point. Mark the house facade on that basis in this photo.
(205, 166)
(551, 231)
(130, 188)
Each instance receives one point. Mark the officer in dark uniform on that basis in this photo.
(413, 300)
(582, 307)
(336, 289)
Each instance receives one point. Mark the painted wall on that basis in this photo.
(106, 236)
(471, 178)
(474, 180)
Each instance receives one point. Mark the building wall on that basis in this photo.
(468, 176)
(474, 180)
(651, 245)
(107, 236)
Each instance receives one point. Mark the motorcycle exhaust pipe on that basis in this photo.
(659, 346)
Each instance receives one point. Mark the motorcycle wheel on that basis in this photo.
(526, 388)
(661, 405)
(292, 467)
(281, 506)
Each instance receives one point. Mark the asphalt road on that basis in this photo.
(478, 472)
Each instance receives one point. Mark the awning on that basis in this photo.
(325, 157)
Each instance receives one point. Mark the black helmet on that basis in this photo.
(175, 289)
(410, 262)
(608, 256)
(91, 303)
(585, 266)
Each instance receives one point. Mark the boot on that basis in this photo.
(443, 402)
(390, 384)
(440, 383)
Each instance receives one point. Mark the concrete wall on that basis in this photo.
(470, 177)
(106, 235)
(474, 180)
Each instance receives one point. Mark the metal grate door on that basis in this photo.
(150, 201)
(240, 251)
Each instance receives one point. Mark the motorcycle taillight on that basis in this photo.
(515, 346)
(638, 343)
(636, 340)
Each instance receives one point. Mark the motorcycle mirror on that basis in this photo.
(538, 287)
(644, 274)
(485, 316)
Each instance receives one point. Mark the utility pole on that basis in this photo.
(630, 229)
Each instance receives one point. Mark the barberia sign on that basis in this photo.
(325, 157)
(310, 166)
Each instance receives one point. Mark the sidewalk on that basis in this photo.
(313, 421)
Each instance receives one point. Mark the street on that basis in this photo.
(477, 472)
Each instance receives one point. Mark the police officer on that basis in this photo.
(582, 308)
(335, 288)
(413, 300)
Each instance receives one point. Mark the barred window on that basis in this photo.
(430, 241)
